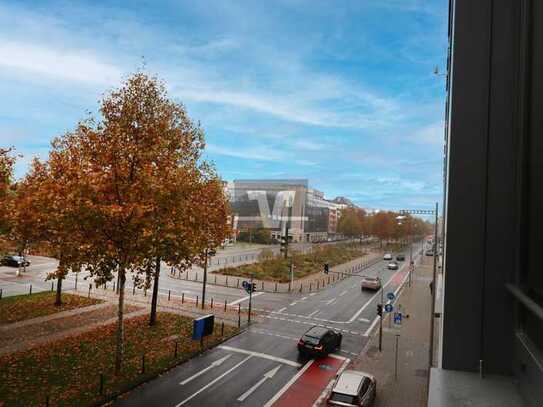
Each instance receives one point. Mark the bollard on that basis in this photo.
(175, 351)
(182, 298)
(211, 302)
(169, 293)
(187, 275)
(224, 305)
(262, 285)
(90, 286)
(215, 279)
(30, 289)
(143, 363)
(239, 320)
(51, 286)
(309, 287)
(145, 292)
(318, 284)
(1, 289)
(222, 328)
(301, 285)
(328, 280)
(227, 281)
(134, 290)
(47, 401)
(237, 284)
(101, 391)
(105, 285)
(275, 289)
(196, 278)
(289, 286)
(196, 301)
(114, 286)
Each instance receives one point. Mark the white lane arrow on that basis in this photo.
(267, 376)
(201, 372)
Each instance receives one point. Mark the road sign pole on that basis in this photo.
(205, 280)
(381, 332)
(434, 289)
(396, 359)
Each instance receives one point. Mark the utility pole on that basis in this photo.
(434, 289)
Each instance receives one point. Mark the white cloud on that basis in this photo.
(248, 153)
(57, 63)
(432, 134)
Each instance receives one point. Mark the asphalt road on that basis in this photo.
(261, 365)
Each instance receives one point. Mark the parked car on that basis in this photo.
(370, 283)
(15, 261)
(387, 256)
(392, 265)
(319, 341)
(400, 257)
(353, 388)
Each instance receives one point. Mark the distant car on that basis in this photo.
(400, 257)
(319, 341)
(370, 283)
(353, 388)
(387, 256)
(15, 261)
(429, 252)
(392, 265)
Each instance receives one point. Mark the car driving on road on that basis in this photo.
(370, 283)
(392, 265)
(319, 341)
(15, 261)
(400, 257)
(353, 388)
(387, 256)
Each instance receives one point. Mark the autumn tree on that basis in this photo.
(350, 224)
(132, 179)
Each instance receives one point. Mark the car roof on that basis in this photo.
(316, 331)
(349, 382)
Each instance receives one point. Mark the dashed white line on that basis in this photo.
(343, 293)
(245, 298)
(281, 310)
(260, 355)
(313, 313)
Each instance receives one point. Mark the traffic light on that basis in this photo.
(326, 268)
(253, 288)
(380, 310)
(283, 244)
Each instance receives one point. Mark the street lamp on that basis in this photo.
(207, 253)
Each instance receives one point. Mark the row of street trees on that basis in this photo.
(120, 194)
(355, 222)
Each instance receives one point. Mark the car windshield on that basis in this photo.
(311, 339)
(342, 398)
(371, 279)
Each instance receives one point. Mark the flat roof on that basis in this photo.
(349, 382)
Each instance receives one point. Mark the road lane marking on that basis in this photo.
(281, 310)
(288, 384)
(267, 375)
(313, 313)
(260, 355)
(201, 372)
(364, 320)
(211, 383)
(343, 293)
(331, 301)
(244, 299)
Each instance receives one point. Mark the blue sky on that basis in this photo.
(339, 92)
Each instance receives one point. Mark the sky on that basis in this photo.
(342, 93)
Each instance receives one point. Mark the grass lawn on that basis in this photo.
(277, 269)
(21, 307)
(69, 370)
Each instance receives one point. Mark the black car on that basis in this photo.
(400, 257)
(15, 261)
(319, 341)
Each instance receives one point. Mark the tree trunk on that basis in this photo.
(154, 300)
(58, 299)
(120, 325)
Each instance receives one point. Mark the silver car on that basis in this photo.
(353, 388)
(370, 283)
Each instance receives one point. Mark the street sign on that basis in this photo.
(391, 296)
(389, 307)
(245, 285)
(203, 326)
(398, 318)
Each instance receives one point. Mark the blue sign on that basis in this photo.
(391, 296)
(203, 326)
(245, 285)
(389, 307)
(398, 318)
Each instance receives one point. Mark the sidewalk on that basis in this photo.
(410, 387)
